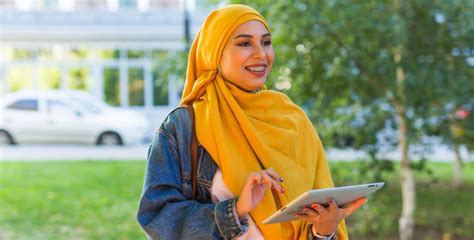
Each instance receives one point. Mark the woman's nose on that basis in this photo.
(259, 52)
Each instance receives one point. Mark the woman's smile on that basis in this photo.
(258, 70)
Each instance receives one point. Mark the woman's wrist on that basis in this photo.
(319, 233)
(239, 210)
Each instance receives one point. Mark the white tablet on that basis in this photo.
(342, 195)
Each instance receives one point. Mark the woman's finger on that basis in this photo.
(352, 207)
(273, 174)
(255, 179)
(332, 205)
(319, 209)
(311, 212)
(270, 182)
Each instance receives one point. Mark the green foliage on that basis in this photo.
(167, 66)
(340, 58)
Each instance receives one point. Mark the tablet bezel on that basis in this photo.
(342, 195)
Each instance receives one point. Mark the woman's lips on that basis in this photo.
(257, 70)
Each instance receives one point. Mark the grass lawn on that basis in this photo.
(98, 200)
(70, 200)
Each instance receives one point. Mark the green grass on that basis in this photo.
(98, 200)
(70, 200)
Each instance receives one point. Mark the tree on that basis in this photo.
(356, 62)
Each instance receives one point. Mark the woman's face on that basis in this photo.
(248, 55)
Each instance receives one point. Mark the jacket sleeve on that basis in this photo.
(165, 212)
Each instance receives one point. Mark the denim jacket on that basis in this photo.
(166, 210)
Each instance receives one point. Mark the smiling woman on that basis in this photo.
(257, 150)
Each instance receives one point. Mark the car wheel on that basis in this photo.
(109, 139)
(6, 138)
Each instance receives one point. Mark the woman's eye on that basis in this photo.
(267, 43)
(244, 44)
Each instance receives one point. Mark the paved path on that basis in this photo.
(60, 152)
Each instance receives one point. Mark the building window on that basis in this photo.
(128, 4)
(19, 77)
(22, 54)
(110, 54)
(79, 53)
(135, 54)
(136, 87)
(91, 4)
(78, 78)
(48, 4)
(160, 4)
(7, 4)
(112, 86)
(49, 77)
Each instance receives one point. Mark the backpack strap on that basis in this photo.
(194, 152)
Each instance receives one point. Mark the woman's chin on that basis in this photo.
(255, 87)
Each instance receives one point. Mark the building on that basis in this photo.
(126, 52)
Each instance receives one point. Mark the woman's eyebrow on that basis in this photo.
(251, 36)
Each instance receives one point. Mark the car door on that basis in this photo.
(25, 120)
(67, 123)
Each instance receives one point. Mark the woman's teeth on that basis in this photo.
(256, 69)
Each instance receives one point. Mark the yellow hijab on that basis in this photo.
(248, 132)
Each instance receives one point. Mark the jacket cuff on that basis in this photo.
(228, 221)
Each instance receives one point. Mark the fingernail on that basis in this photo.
(282, 190)
(281, 179)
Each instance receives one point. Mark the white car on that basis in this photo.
(67, 116)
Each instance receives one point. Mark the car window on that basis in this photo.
(59, 107)
(85, 105)
(24, 104)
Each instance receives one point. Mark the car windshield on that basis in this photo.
(89, 104)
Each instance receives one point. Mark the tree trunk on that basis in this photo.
(457, 179)
(406, 221)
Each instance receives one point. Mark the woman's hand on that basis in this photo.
(325, 220)
(254, 189)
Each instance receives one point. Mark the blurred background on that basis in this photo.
(84, 84)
